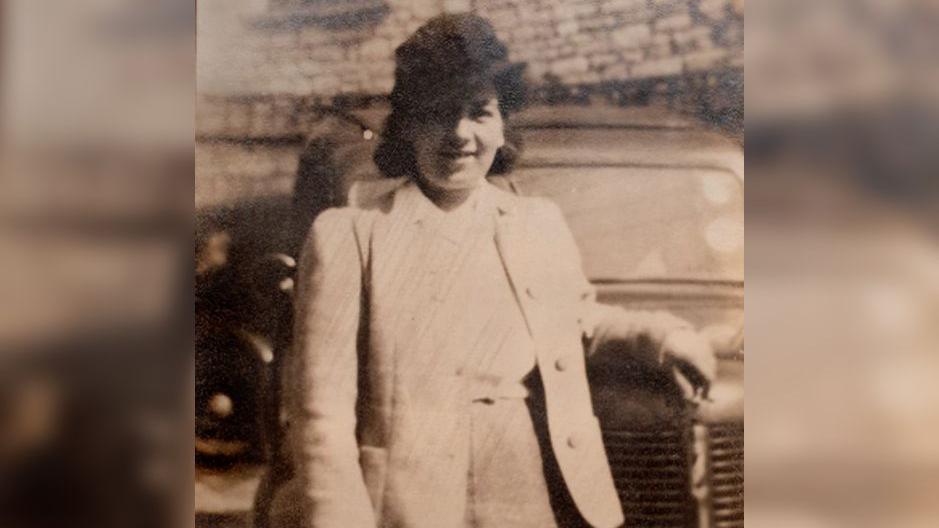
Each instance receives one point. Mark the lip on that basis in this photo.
(457, 154)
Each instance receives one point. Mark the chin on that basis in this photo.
(457, 182)
(463, 186)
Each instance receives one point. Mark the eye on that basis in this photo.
(480, 110)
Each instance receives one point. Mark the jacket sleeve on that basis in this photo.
(321, 396)
(602, 322)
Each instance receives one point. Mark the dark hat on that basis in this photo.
(452, 57)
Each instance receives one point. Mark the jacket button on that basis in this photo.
(573, 441)
(562, 364)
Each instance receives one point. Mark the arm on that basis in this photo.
(322, 383)
(675, 344)
(674, 340)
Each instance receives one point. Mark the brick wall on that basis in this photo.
(295, 54)
(328, 47)
(331, 46)
(592, 41)
(227, 173)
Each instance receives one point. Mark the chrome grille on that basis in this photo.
(651, 472)
(725, 445)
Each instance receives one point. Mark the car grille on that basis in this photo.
(725, 445)
(653, 472)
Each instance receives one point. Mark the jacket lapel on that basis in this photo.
(515, 251)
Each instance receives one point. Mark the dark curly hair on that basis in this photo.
(450, 58)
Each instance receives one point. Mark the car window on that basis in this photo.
(642, 223)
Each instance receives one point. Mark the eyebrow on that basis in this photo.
(483, 102)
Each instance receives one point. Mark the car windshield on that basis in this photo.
(648, 223)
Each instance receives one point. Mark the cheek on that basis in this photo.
(493, 137)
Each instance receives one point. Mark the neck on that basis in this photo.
(446, 199)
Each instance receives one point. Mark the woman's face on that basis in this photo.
(455, 148)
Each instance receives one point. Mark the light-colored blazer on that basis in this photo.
(376, 428)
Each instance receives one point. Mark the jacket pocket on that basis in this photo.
(374, 463)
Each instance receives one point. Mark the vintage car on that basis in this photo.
(655, 202)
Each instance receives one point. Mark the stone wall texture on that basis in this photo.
(300, 54)
(327, 47)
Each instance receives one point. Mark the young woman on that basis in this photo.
(438, 377)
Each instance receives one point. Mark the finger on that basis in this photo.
(690, 347)
(693, 375)
(688, 390)
(702, 360)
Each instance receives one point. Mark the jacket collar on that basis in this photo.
(368, 193)
(409, 199)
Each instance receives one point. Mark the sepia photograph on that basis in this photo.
(469, 263)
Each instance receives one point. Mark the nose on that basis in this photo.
(461, 133)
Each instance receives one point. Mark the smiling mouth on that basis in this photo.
(457, 154)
